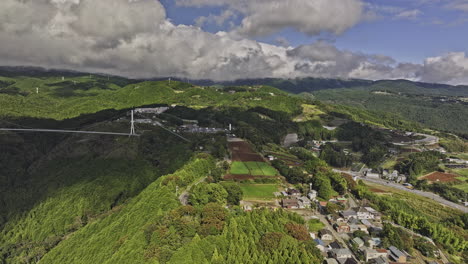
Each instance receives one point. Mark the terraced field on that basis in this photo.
(252, 168)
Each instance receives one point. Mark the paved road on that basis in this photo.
(65, 131)
(430, 195)
(427, 140)
(336, 235)
(183, 197)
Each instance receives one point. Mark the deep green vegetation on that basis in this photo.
(425, 221)
(372, 143)
(418, 164)
(440, 108)
(103, 199)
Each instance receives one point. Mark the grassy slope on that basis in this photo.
(259, 191)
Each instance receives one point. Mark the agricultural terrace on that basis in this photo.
(252, 168)
(258, 191)
(242, 151)
(441, 177)
(246, 162)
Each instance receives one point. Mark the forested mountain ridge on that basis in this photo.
(439, 106)
(104, 199)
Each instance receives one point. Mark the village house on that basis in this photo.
(366, 223)
(294, 192)
(312, 195)
(331, 261)
(290, 203)
(376, 214)
(358, 242)
(342, 228)
(341, 253)
(367, 213)
(374, 253)
(397, 255)
(306, 203)
(334, 245)
(348, 261)
(376, 241)
(323, 206)
(354, 227)
(341, 200)
(371, 174)
(326, 234)
(348, 214)
(379, 260)
(363, 213)
(375, 230)
(370, 242)
(320, 245)
(335, 219)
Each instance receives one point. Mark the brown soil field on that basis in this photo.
(242, 151)
(440, 177)
(377, 190)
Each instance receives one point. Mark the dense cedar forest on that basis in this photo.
(104, 199)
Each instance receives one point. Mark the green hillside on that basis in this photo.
(105, 199)
(439, 106)
(440, 112)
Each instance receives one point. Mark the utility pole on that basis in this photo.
(132, 125)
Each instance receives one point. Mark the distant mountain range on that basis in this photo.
(438, 106)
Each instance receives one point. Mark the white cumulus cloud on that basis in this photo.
(134, 38)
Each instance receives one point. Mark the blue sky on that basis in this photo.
(437, 27)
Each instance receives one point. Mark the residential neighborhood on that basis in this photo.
(348, 236)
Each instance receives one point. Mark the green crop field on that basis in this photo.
(462, 172)
(252, 168)
(267, 169)
(259, 191)
(238, 167)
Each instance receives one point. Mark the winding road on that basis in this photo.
(183, 197)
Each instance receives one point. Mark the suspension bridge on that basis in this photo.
(132, 132)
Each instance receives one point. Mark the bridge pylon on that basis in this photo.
(132, 125)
